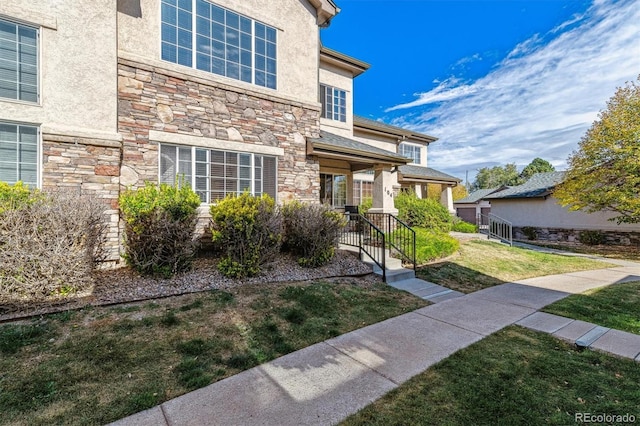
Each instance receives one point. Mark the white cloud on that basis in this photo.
(537, 102)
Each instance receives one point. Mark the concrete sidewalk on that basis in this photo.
(324, 383)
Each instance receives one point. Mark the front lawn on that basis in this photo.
(616, 306)
(480, 264)
(97, 365)
(513, 377)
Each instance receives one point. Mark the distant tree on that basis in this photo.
(433, 191)
(459, 192)
(604, 173)
(496, 176)
(538, 165)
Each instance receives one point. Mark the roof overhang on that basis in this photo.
(358, 159)
(373, 127)
(326, 10)
(425, 179)
(420, 174)
(340, 60)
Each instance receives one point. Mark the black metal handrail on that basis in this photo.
(401, 238)
(361, 233)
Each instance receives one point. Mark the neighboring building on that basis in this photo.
(532, 205)
(474, 205)
(225, 94)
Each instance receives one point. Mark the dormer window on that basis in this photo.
(334, 103)
(410, 151)
(219, 41)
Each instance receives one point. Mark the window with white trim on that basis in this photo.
(362, 190)
(410, 151)
(334, 103)
(333, 189)
(202, 35)
(18, 61)
(214, 174)
(19, 154)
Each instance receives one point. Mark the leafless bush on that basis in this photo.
(312, 232)
(158, 244)
(50, 249)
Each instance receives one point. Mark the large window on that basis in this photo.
(334, 103)
(19, 154)
(214, 174)
(18, 61)
(410, 151)
(362, 190)
(223, 42)
(333, 190)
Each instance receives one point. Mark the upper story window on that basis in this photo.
(223, 42)
(410, 151)
(19, 154)
(214, 174)
(18, 61)
(334, 103)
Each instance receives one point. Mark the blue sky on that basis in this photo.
(496, 81)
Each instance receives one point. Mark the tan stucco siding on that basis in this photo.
(341, 79)
(548, 214)
(379, 141)
(77, 69)
(297, 43)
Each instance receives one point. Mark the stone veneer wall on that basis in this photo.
(151, 98)
(89, 166)
(573, 235)
(156, 99)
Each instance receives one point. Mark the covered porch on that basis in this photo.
(418, 178)
(351, 171)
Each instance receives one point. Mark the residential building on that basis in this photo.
(474, 205)
(229, 95)
(532, 205)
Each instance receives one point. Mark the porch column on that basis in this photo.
(349, 189)
(418, 189)
(383, 190)
(446, 199)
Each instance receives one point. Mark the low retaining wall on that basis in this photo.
(573, 235)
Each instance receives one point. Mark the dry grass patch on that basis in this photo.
(481, 264)
(97, 365)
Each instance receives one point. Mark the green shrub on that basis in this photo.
(312, 232)
(432, 245)
(160, 224)
(50, 243)
(249, 231)
(17, 196)
(530, 232)
(460, 225)
(365, 205)
(422, 212)
(592, 238)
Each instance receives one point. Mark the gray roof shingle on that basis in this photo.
(477, 195)
(426, 173)
(539, 185)
(342, 142)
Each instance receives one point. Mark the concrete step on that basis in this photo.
(395, 275)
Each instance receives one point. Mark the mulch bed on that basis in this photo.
(123, 285)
